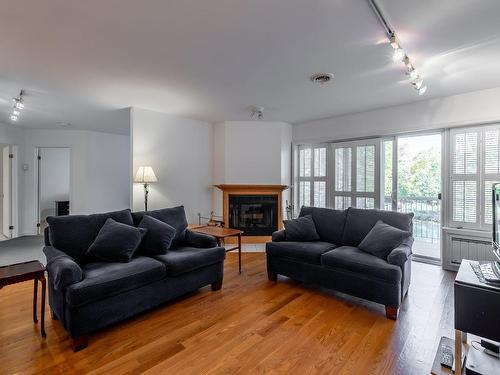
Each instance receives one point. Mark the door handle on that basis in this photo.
(439, 196)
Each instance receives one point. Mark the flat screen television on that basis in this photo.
(496, 219)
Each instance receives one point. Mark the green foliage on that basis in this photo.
(419, 175)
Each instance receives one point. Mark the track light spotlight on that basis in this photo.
(422, 90)
(418, 83)
(19, 104)
(394, 41)
(15, 112)
(399, 55)
(13, 117)
(413, 74)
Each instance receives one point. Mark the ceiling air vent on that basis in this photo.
(322, 78)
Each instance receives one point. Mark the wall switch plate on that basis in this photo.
(25, 167)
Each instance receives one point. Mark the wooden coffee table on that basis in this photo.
(19, 272)
(220, 234)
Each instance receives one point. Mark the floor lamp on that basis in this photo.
(145, 175)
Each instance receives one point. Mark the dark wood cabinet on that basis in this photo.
(62, 208)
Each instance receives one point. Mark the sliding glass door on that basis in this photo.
(412, 183)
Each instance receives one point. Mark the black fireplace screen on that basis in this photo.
(256, 215)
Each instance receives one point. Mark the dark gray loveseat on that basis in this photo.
(87, 295)
(335, 261)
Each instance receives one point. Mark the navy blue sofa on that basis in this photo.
(87, 295)
(335, 262)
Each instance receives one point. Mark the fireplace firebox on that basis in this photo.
(255, 215)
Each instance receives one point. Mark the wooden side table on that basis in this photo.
(220, 234)
(19, 272)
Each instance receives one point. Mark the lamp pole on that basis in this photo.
(146, 192)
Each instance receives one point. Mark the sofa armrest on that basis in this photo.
(279, 236)
(401, 254)
(62, 269)
(196, 239)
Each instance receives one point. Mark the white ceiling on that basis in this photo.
(211, 60)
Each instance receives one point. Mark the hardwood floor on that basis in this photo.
(250, 326)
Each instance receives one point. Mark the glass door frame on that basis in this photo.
(395, 196)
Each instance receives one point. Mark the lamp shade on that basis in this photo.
(145, 175)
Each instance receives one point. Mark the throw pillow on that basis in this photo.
(382, 239)
(301, 229)
(116, 242)
(159, 237)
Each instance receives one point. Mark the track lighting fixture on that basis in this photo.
(399, 53)
(17, 107)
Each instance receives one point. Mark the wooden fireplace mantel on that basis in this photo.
(243, 189)
(251, 187)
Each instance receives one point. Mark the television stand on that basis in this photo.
(476, 308)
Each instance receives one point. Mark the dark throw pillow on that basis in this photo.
(158, 238)
(116, 242)
(301, 229)
(382, 239)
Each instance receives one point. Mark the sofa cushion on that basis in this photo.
(309, 252)
(158, 238)
(116, 242)
(382, 239)
(175, 217)
(185, 259)
(354, 260)
(329, 223)
(301, 229)
(104, 279)
(74, 234)
(360, 221)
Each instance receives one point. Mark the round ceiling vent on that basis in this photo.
(322, 78)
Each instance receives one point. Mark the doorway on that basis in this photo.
(8, 191)
(412, 183)
(52, 183)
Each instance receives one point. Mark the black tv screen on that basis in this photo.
(496, 219)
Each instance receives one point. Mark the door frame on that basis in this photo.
(36, 187)
(443, 200)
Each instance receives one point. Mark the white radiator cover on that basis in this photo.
(465, 244)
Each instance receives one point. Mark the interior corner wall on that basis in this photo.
(251, 152)
(180, 150)
(478, 107)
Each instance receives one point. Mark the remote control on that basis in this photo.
(447, 356)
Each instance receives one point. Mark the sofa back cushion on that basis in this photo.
(174, 216)
(74, 234)
(361, 221)
(329, 223)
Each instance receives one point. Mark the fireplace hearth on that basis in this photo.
(254, 209)
(255, 215)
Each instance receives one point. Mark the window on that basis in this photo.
(356, 175)
(338, 175)
(475, 166)
(312, 176)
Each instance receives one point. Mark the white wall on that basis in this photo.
(471, 108)
(180, 151)
(251, 152)
(54, 178)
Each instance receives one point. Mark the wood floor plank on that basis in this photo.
(250, 326)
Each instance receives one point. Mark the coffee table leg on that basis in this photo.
(35, 297)
(42, 312)
(239, 252)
